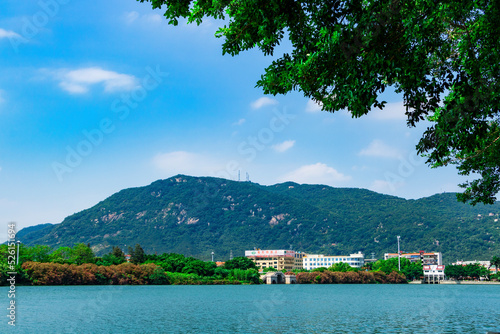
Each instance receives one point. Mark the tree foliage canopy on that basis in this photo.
(137, 254)
(473, 270)
(441, 56)
(495, 261)
(412, 270)
(342, 267)
(240, 262)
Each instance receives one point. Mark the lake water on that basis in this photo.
(255, 309)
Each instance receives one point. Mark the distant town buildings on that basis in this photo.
(435, 258)
(287, 260)
(313, 261)
(279, 259)
(486, 264)
(284, 260)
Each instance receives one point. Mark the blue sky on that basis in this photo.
(97, 96)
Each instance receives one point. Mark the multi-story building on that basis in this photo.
(426, 258)
(313, 261)
(282, 260)
(433, 273)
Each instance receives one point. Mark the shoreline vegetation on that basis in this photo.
(40, 265)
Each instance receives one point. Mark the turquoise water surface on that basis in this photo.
(255, 309)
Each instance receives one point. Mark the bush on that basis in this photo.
(85, 274)
(158, 277)
(240, 262)
(349, 277)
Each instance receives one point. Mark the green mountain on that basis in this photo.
(197, 215)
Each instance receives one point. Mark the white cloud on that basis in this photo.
(131, 17)
(182, 162)
(378, 148)
(79, 81)
(240, 121)
(313, 106)
(392, 111)
(284, 146)
(155, 18)
(318, 173)
(8, 34)
(262, 102)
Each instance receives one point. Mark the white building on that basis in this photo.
(313, 261)
(424, 257)
(433, 273)
(278, 259)
(485, 264)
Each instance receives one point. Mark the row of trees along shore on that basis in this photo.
(41, 265)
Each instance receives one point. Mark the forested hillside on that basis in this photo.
(197, 215)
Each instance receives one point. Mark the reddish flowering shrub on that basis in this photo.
(306, 278)
(350, 277)
(396, 278)
(366, 277)
(380, 276)
(48, 273)
(70, 274)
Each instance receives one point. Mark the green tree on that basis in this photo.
(454, 271)
(495, 261)
(82, 254)
(471, 270)
(441, 56)
(198, 267)
(116, 256)
(269, 269)
(170, 262)
(118, 253)
(37, 253)
(62, 255)
(388, 266)
(221, 273)
(240, 262)
(137, 254)
(341, 267)
(412, 270)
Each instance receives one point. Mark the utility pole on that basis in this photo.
(399, 256)
(213, 256)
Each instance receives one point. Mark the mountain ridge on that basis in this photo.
(197, 215)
